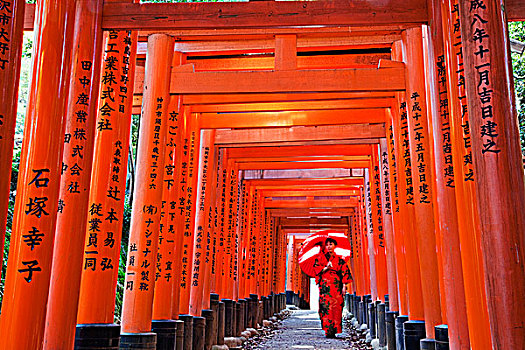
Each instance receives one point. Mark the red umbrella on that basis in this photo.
(313, 244)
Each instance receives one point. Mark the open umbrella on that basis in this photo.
(313, 244)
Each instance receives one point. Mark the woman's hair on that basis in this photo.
(330, 240)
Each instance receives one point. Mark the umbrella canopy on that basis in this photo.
(314, 244)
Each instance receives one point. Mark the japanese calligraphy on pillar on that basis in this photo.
(385, 172)
(405, 149)
(200, 232)
(479, 37)
(105, 209)
(393, 167)
(448, 171)
(421, 162)
(378, 209)
(457, 48)
(141, 275)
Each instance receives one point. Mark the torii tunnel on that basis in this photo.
(261, 122)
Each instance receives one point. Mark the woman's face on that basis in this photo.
(330, 246)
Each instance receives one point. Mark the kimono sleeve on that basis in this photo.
(346, 275)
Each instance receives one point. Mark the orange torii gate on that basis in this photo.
(432, 77)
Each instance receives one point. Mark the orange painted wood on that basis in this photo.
(137, 307)
(290, 151)
(221, 204)
(297, 106)
(345, 80)
(397, 229)
(285, 52)
(220, 98)
(10, 61)
(214, 266)
(365, 261)
(199, 228)
(293, 13)
(378, 225)
(304, 133)
(495, 145)
(445, 200)
(367, 200)
(304, 165)
(313, 203)
(108, 185)
(210, 227)
(68, 254)
(181, 181)
(303, 62)
(168, 253)
(386, 211)
(464, 178)
(422, 176)
(296, 118)
(33, 230)
(191, 145)
(406, 207)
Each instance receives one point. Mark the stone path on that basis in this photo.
(302, 330)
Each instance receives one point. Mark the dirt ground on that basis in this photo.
(302, 330)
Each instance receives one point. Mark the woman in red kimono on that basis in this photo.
(332, 276)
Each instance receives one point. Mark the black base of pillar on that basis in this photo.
(400, 341)
(390, 318)
(372, 320)
(381, 324)
(138, 341)
(442, 341)
(199, 328)
(240, 317)
(220, 324)
(289, 297)
(188, 331)
(99, 336)
(209, 331)
(179, 340)
(427, 344)
(413, 332)
(166, 331)
(228, 317)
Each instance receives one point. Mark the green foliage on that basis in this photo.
(517, 32)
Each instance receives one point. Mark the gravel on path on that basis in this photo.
(302, 330)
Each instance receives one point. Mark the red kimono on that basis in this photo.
(330, 283)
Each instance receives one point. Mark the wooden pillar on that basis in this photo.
(192, 142)
(215, 223)
(386, 205)
(221, 204)
(446, 186)
(167, 253)
(422, 177)
(378, 225)
(66, 273)
(106, 197)
(289, 259)
(464, 177)
(364, 239)
(11, 41)
(31, 250)
(211, 227)
(137, 309)
(199, 230)
(406, 200)
(370, 237)
(496, 145)
(181, 180)
(395, 170)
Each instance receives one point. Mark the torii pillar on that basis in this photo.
(498, 163)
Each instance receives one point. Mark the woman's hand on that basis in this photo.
(329, 265)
